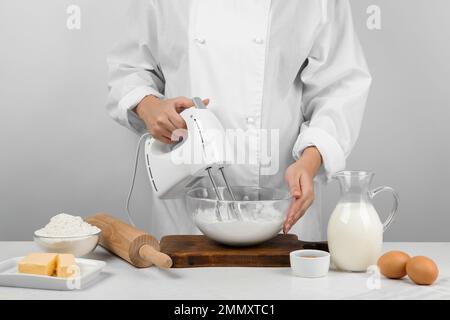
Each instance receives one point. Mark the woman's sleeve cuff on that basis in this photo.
(127, 116)
(333, 156)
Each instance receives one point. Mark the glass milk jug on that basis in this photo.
(355, 232)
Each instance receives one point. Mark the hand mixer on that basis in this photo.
(173, 169)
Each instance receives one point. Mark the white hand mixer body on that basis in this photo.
(174, 169)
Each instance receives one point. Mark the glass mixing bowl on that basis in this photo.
(256, 216)
(76, 245)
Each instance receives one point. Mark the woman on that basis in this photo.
(294, 67)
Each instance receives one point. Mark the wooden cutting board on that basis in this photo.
(190, 251)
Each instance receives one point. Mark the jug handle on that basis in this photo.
(394, 210)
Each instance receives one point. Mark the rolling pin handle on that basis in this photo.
(159, 259)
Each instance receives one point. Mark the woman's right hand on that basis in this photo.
(162, 117)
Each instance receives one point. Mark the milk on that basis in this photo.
(355, 236)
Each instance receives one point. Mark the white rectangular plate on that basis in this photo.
(10, 277)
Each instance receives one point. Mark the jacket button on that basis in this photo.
(200, 40)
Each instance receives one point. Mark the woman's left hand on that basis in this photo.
(300, 179)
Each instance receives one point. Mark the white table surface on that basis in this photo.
(122, 281)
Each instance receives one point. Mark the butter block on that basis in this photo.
(40, 263)
(66, 266)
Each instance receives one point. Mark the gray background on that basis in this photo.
(61, 152)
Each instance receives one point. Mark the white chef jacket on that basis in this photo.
(291, 65)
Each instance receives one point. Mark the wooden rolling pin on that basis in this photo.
(131, 244)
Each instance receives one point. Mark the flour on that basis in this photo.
(67, 234)
(66, 225)
(256, 226)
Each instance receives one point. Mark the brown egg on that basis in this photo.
(422, 270)
(392, 264)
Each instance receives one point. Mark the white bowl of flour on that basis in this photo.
(67, 234)
(256, 216)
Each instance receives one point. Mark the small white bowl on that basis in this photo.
(310, 263)
(77, 245)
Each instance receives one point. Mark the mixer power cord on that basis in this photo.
(133, 179)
